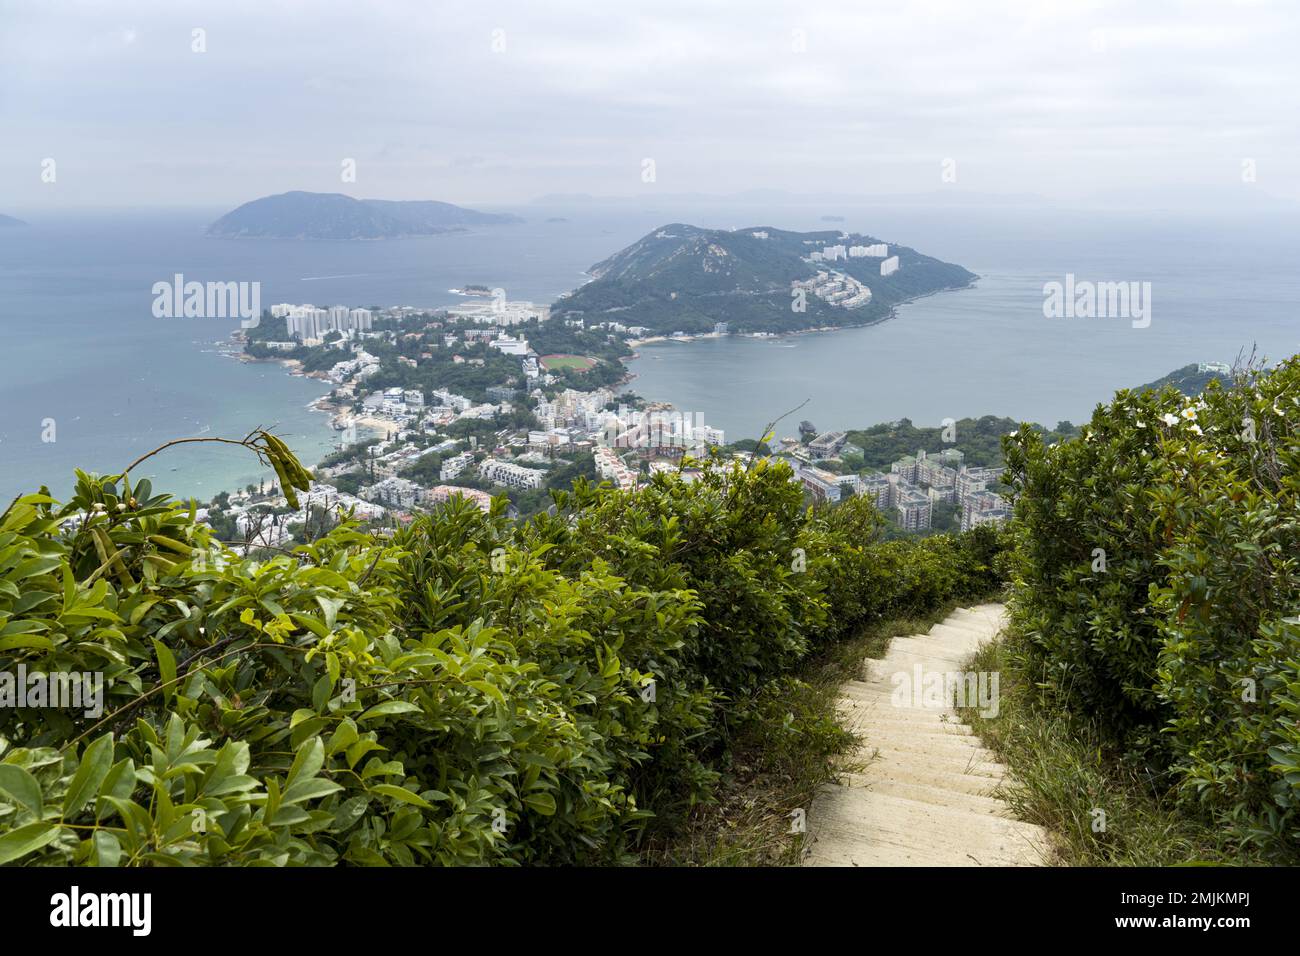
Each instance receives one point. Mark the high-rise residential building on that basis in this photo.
(439, 494)
(984, 507)
(876, 487)
(905, 467)
(912, 508)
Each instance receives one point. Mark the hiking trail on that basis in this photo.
(924, 795)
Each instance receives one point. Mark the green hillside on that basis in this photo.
(684, 278)
(1190, 379)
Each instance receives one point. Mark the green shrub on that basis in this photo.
(465, 691)
(1181, 641)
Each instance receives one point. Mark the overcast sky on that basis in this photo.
(1071, 101)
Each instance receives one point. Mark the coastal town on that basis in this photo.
(495, 399)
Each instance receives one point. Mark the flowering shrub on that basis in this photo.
(1156, 587)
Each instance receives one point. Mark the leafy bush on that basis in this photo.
(1156, 583)
(466, 691)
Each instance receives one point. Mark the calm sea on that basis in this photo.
(83, 348)
(1218, 287)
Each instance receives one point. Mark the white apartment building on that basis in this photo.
(611, 468)
(823, 485)
(451, 399)
(440, 494)
(984, 507)
(971, 481)
(394, 492)
(308, 323)
(878, 251)
(889, 266)
(455, 466)
(875, 487)
(510, 345)
(912, 508)
(511, 475)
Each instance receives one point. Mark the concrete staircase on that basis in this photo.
(924, 797)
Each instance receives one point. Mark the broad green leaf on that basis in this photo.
(24, 840)
(166, 668)
(388, 708)
(542, 803)
(108, 851)
(96, 761)
(307, 762)
(311, 789)
(22, 787)
(401, 793)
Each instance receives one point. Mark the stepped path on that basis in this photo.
(924, 795)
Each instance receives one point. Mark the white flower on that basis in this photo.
(1189, 413)
(1197, 429)
(1169, 418)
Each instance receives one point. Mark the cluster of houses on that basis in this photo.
(914, 483)
(835, 288)
(402, 493)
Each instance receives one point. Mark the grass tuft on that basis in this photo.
(1061, 774)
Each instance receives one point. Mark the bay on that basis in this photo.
(82, 348)
(1219, 287)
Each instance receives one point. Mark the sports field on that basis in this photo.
(580, 362)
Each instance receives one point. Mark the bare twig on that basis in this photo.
(245, 442)
(771, 426)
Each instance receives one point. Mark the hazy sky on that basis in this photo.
(497, 103)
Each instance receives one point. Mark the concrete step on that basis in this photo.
(929, 793)
(975, 784)
(923, 789)
(923, 721)
(940, 833)
(946, 761)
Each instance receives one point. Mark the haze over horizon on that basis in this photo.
(1089, 103)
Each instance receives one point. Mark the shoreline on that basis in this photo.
(888, 316)
(380, 428)
(324, 404)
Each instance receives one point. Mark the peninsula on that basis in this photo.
(685, 279)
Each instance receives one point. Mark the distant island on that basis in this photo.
(334, 216)
(10, 221)
(682, 278)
